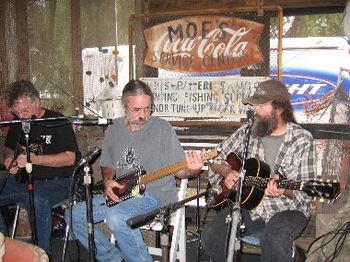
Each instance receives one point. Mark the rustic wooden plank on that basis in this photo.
(171, 5)
(193, 130)
(22, 40)
(3, 50)
(76, 54)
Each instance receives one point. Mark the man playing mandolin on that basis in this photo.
(53, 152)
(137, 144)
(289, 151)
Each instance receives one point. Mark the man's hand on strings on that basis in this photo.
(109, 185)
(272, 189)
(11, 165)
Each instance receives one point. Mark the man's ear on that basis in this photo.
(279, 111)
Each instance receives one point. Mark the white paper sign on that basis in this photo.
(202, 96)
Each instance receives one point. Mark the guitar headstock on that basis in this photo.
(211, 154)
(324, 189)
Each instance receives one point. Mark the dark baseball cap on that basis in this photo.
(269, 90)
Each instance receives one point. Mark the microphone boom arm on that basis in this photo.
(167, 209)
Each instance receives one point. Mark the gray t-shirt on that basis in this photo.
(152, 148)
(271, 147)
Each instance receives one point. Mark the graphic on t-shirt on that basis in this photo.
(130, 159)
(47, 139)
(130, 156)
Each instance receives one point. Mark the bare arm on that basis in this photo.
(230, 175)
(66, 158)
(222, 169)
(8, 161)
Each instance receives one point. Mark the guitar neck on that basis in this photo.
(163, 172)
(174, 168)
(261, 182)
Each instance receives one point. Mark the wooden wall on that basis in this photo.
(178, 5)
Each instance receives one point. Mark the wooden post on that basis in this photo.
(76, 54)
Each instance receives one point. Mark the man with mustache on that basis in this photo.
(134, 142)
(289, 151)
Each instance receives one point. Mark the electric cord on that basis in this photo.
(338, 236)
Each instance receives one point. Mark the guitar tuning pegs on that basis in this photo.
(321, 200)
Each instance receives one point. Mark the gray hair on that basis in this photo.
(134, 88)
(18, 89)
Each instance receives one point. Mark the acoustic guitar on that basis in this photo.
(134, 182)
(256, 179)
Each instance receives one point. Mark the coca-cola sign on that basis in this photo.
(203, 44)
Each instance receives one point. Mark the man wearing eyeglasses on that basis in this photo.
(53, 152)
(138, 141)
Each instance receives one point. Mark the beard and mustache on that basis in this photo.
(136, 121)
(264, 126)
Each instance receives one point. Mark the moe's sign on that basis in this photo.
(203, 44)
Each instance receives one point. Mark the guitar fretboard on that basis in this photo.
(261, 182)
(173, 168)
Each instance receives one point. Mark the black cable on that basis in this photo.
(340, 232)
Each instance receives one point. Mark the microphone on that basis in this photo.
(96, 121)
(88, 157)
(142, 219)
(212, 193)
(250, 113)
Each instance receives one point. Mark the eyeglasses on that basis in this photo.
(23, 111)
(137, 110)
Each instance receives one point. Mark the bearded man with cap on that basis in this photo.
(289, 151)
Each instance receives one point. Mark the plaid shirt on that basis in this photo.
(296, 160)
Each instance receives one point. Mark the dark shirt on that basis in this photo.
(46, 137)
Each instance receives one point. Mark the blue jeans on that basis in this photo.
(47, 193)
(277, 235)
(130, 245)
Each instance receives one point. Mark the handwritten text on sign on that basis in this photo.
(203, 44)
(202, 97)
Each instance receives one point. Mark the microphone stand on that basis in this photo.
(198, 221)
(164, 212)
(235, 216)
(164, 218)
(26, 126)
(164, 238)
(88, 202)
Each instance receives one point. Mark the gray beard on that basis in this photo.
(264, 127)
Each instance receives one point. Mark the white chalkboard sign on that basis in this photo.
(202, 96)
